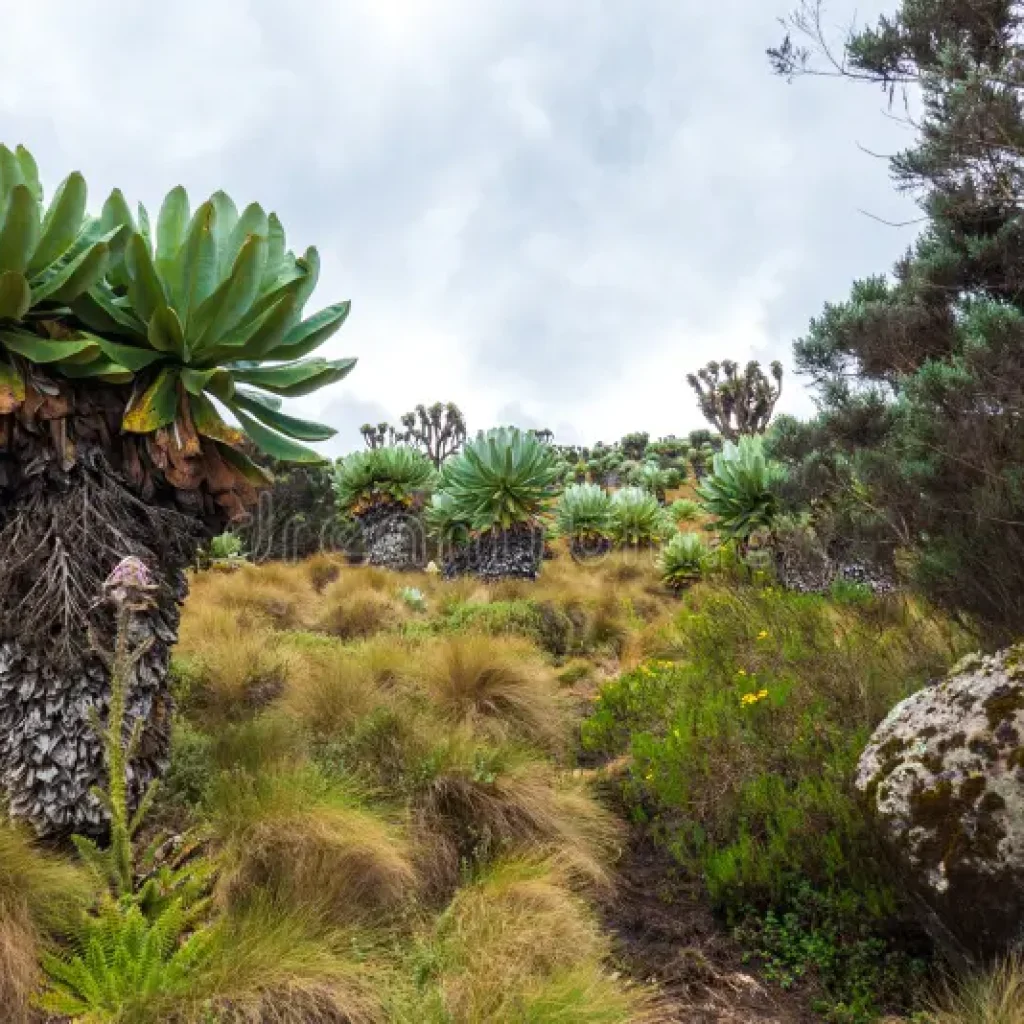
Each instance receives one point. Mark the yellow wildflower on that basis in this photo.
(741, 671)
(763, 635)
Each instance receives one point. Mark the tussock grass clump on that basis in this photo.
(486, 800)
(496, 684)
(993, 996)
(518, 945)
(280, 594)
(357, 614)
(309, 844)
(323, 569)
(272, 963)
(233, 667)
(39, 895)
(335, 686)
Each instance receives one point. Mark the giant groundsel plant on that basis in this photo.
(140, 365)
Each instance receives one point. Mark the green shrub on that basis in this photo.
(227, 546)
(828, 939)
(744, 744)
(684, 510)
(637, 518)
(541, 622)
(190, 770)
(741, 490)
(389, 475)
(682, 560)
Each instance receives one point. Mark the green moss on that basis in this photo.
(1000, 707)
(958, 739)
(890, 755)
(944, 814)
(983, 745)
(1015, 759)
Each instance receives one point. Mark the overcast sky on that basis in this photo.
(547, 211)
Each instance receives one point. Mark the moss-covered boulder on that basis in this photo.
(944, 779)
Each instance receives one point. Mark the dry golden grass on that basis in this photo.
(484, 801)
(309, 845)
(519, 945)
(39, 893)
(323, 569)
(353, 614)
(499, 685)
(279, 593)
(995, 996)
(236, 665)
(273, 964)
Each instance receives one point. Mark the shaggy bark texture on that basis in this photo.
(70, 510)
(393, 537)
(50, 755)
(499, 555)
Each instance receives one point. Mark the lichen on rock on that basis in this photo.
(944, 779)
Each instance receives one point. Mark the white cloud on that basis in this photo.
(553, 210)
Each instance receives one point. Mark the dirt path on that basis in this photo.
(664, 933)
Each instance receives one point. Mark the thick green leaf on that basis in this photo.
(11, 172)
(29, 172)
(257, 338)
(224, 221)
(99, 311)
(267, 401)
(144, 227)
(275, 251)
(61, 223)
(276, 445)
(15, 296)
(309, 335)
(290, 426)
(171, 232)
(19, 233)
(76, 278)
(232, 299)
(197, 381)
(156, 407)
(209, 423)
(310, 261)
(253, 221)
(45, 350)
(165, 333)
(256, 475)
(144, 288)
(116, 214)
(199, 263)
(292, 380)
(104, 369)
(129, 356)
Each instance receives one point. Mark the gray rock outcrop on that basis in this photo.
(944, 779)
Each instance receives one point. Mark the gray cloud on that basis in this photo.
(547, 210)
